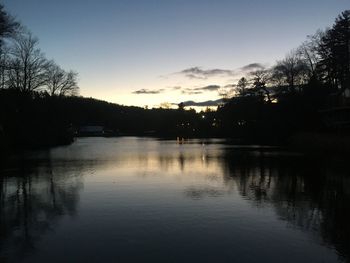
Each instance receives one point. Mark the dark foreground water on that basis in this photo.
(147, 200)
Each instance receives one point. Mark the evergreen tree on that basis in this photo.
(334, 50)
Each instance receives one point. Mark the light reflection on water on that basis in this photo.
(145, 200)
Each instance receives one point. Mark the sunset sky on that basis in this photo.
(148, 52)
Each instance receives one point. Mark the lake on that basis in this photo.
(133, 199)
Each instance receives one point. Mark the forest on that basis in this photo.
(306, 92)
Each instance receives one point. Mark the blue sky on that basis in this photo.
(119, 47)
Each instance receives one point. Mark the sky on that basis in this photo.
(148, 52)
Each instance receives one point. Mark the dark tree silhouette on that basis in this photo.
(8, 25)
(260, 79)
(334, 50)
(242, 86)
(308, 53)
(28, 64)
(290, 71)
(8, 28)
(59, 82)
(181, 106)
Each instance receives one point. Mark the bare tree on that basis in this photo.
(308, 52)
(60, 82)
(4, 66)
(28, 64)
(291, 70)
(8, 29)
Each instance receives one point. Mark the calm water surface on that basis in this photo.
(146, 200)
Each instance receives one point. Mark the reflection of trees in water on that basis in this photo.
(32, 200)
(185, 159)
(200, 192)
(312, 195)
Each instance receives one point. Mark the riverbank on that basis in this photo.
(321, 143)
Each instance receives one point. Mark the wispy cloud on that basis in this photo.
(176, 87)
(195, 76)
(148, 91)
(200, 90)
(191, 92)
(199, 73)
(204, 74)
(209, 88)
(208, 103)
(252, 67)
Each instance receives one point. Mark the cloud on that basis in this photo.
(191, 92)
(199, 73)
(200, 90)
(252, 66)
(176, 87)
(209, 88)
(230, 86)
(207, 103)
(148, 91)
(194, 76)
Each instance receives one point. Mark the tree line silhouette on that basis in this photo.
(307, 91)
(24, 67)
